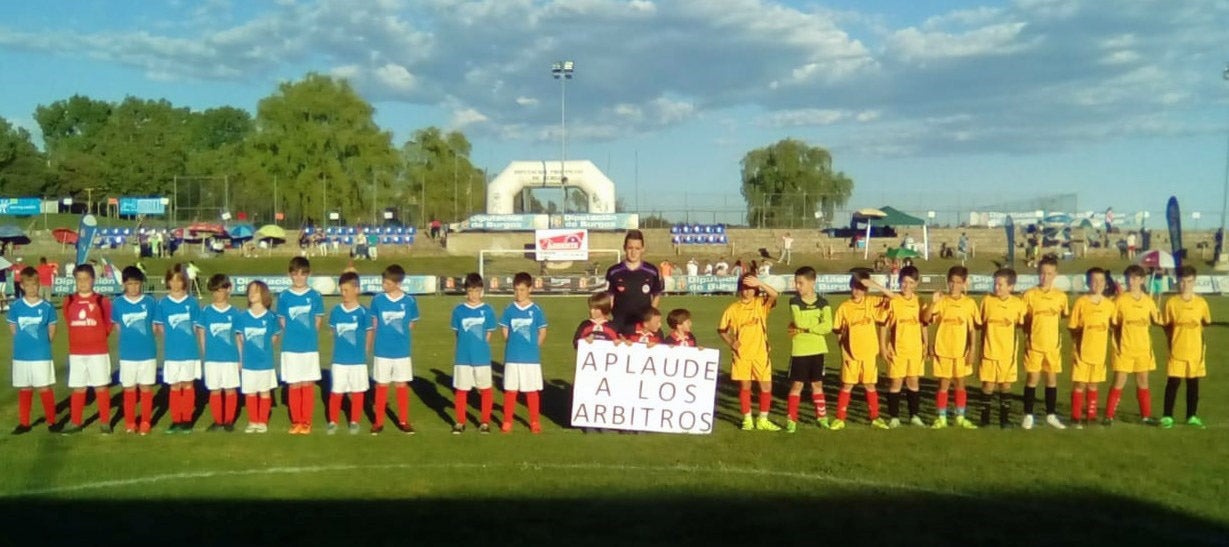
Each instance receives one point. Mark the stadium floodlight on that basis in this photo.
(562, 71)
(1224, 206)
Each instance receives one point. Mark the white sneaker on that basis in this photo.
(1028, 422)
(1052, 421)
(251, 428)
(263, 428)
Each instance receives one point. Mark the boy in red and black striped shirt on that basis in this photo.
(597, 326)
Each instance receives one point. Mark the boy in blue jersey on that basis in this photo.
(257, 331)
(175, 320)
(300, 310)
(32, 324)
(393, 315)
(473, 322)
(352, 339)
(133, 313)
(524, 327)
(217, 327)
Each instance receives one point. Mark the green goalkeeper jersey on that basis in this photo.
(813, 320)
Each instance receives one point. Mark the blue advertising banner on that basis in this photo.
(368, 284)
(507, 223)
(1173, 216)
(85, 237)
(20, 206)
(141, 206)
(103, 284)
(614, 221)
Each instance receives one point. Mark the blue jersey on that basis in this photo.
(523, 325)
(258, 332)
(392, 319)
(472, 324)
(349, 334)
(135, 319)
(298, 311)
(219, 327)
(179, 320)
(31, 342)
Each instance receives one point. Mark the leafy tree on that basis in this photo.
(23, 169)
(786, 183)
(437, 165)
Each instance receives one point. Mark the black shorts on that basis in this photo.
(806, 368)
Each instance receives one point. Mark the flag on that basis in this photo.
(85, 237)
(1174, 217)
(1010, 226)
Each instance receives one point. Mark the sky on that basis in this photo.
(944, 105)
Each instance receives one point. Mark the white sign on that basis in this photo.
(563, 244)
(661, 389)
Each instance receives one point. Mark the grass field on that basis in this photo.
(1126, 485)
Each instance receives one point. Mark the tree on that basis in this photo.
(23, 169)
(436, 168)
(786, 183)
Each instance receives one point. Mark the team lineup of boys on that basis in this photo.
(232, 350)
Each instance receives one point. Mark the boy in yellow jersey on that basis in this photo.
(1045, 307)
(744, 326)
(1185, 317)
(1002, 313)
(811, 322)
(952, 346)
(903, 341)
(1092, 317)
(1134, 313)
(857, 321)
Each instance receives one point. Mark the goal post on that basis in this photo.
(510, 261)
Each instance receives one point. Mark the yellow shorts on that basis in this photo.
(951, 367)
(757, 369)
(859, 372)
(902, 367)
(1043, 361)
(1137, 362)
(1186, 369)
(998, 371)
(1087, 373)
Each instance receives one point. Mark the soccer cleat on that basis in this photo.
(917, 421)
(965, 423)
(458, 429)
(185, 429)
(214, 428)
(130, 430)
(763, 424)
(748, 423)
(173, 429)
(837, 424)
(21, 430)
(535, 428)
(878, 423)
(791, 426)
(72, 429)
(296, 429)
(251, 428)
(1107, 421)
(264, 428)
(1194, 421)
(484, 428)
(1167, 423)
(229, 428)
(505, 427)
(1027, 422)
(1053, 421)
(894, 423)
(1149, 421)
(144, 429)
(406, 428)
(823, 422)
(106, 429)
(377, 429)
(1078, 424)
(354, 428)
(940, 423)
(330, 429)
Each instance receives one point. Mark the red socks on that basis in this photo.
(821, 409)
(462, 402)
(252, 404)
(765, 402)
(231, 401)
(842, 404)
(215, 408)
(48, 398)
(941, 400)
(295, 404)
(130, 408)
(25, 400)
(403, 403)
(744, 401)
(380, 405)
(334, 407)
(1092, 404)
(488, 402)
(356, 406)
(872, 401)
(791, 406)
(76, 407)
(102, 397)
(1145, 402)
(1111, 406)
(266, 406)
(534, 402)
(307, 400)
(187, 404)
(962, 399)
(510, 406)
(1077, 405)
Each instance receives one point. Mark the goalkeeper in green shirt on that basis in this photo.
(811, 322)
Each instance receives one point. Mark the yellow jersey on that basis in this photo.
(903, 318)
(747, 322)
(1045, 309)
(1091, 322)
(956, 318)
(1185, 320)
(1001, 317)
(857, 322)
(1133, 316)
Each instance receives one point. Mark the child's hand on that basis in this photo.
(937, 296)
(650, 343)
(889, 354)
(792, 329)
(734, 346)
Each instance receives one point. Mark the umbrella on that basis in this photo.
(271, 231)
(241, 231)
(1057, 219)
(1155, 258)
(5, 264)
(901, 252)
(14, 235)
(64, 236)
(870, 213)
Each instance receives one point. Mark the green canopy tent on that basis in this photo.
(893, 217)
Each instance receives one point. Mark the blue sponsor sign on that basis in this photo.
(141, 206)
(103, 284)
(507, 223)
(368, 284)
(20, 206)
(613, 221)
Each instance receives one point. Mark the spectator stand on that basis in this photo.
(697, 234)
(357, 238)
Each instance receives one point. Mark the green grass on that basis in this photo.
(1126, 484)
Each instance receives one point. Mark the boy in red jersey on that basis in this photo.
(88, 315)
(598, 325)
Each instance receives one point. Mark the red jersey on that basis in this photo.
(642, 336)
(687, 341)
(46, 274)
(600, 331)
(89, 323)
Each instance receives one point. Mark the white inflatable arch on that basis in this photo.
(502, 193)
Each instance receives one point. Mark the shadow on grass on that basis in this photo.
(914, 519)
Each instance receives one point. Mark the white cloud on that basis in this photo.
(466, 117)
(527, 101)
(395, 77)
